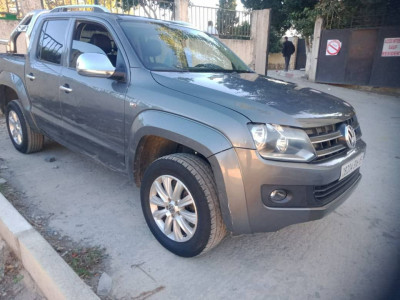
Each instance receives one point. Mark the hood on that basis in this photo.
(260, 98)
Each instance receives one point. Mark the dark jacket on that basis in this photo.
(288, 48)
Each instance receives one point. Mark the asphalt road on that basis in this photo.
(351, 254)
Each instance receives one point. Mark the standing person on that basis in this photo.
(287, 51)
(211, 29)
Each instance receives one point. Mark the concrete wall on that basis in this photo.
(277, 62)
(260, 25)
(182, 10)
(254, 51)
(242, 48)
(311, 69)
(29, 5)
(7, 26)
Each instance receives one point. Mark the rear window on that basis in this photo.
(51, 41)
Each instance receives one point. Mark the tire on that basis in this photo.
(24, 139)
(192, 180)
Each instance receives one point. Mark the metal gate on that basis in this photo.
(358, 56)
(301, 56)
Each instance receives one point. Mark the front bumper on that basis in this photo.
(248, 183)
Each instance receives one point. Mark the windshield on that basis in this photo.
(169, 47)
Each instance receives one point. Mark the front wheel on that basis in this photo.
(180, 204)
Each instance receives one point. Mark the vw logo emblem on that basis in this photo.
(350, 136)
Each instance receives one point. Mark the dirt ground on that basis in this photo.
(15, 282)
(353, 253)
(87, 261)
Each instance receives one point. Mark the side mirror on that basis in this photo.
(95, 65)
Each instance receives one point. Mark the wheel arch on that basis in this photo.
(168, 134)
(12, 87)
(154, 134)
(7, 94)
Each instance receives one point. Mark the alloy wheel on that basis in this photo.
(173, 208)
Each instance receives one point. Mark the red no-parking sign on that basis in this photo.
(333, 47)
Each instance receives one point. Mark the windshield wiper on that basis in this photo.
(244, 71)
(204, 70)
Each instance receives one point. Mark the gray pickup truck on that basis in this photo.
(213, 146)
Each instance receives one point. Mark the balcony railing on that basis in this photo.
(228, 24)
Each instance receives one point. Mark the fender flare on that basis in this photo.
(184, 131)
(14, 82)
(195, 135)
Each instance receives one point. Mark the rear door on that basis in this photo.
(43, 70)
(92, 107)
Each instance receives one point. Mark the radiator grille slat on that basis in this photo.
(326, 139)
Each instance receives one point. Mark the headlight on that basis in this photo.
(282, 143)
(259, 133)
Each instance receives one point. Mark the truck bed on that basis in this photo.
(14, 63)
(11, 66)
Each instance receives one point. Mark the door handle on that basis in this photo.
(65, 88)
(30, 76)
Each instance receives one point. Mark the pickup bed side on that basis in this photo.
(12, 85)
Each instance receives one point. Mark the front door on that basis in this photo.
(92, 107)
(42, 75)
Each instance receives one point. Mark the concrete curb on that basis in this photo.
(50, 272)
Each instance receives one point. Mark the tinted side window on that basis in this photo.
(51, 40)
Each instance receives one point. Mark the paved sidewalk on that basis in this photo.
(351, 254)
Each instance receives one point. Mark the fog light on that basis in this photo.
(278, 196)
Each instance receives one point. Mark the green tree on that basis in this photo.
(278, 22)
(281, 16)
(346, 13)
(301, 15)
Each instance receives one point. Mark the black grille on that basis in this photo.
(326, 139)
(326, 193)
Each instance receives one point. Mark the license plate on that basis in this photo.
(352, 165)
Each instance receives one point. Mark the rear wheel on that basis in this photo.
(24, 139)
(180, 204)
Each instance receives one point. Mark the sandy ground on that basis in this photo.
(351, 254)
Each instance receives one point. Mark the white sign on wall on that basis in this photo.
(391, 47)
(333, 47)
